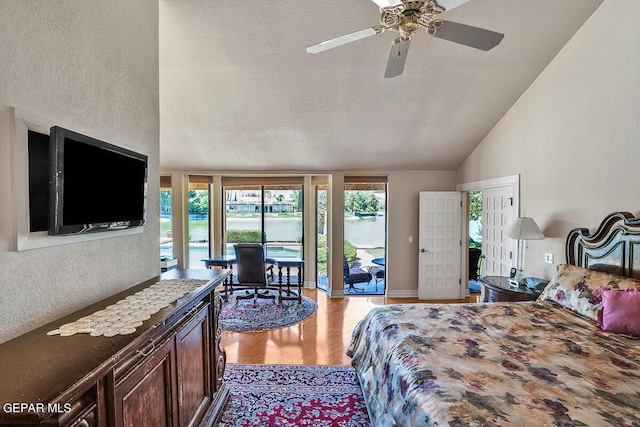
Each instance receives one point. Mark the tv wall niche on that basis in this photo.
(31, 204)
(39, 160)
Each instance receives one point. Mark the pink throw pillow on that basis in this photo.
(620, 311)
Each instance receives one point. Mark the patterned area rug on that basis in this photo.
(244, 317)
(292, 396)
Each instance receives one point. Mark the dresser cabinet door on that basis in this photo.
(146, 397)
(193, 351)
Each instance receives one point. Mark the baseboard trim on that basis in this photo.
(335, 293)
(402, 293)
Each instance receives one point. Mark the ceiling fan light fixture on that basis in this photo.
(406, 17)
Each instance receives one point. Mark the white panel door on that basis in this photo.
(440, 257)
(498, 250)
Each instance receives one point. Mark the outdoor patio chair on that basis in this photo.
(253, 272)
(474, 260)
(378, 272)
(353, 275)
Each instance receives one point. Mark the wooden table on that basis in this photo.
(223, 262)
(288, 263)
(227, 262)
(499, 289)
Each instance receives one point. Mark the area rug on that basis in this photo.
(293, 395)
(244, 317)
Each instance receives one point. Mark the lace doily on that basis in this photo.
(123, 317)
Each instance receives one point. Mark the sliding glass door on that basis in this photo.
(365, 234)
(283, 221)
(322, 247)
(268, 214)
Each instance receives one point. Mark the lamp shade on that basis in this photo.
(525, 228)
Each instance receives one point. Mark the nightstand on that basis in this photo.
(499, 289)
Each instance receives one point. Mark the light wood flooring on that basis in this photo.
(321, 339)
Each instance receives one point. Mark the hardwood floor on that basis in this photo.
(321, 339)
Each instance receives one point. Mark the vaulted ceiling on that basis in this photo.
(238, 91)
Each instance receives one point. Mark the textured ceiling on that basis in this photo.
(238, 91)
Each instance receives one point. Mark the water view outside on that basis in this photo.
(278, 209)
(366, 233)
(166, 234)
(283, 219)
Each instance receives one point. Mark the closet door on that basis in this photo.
(498, 214)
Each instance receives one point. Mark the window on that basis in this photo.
(268, 214)
(166, 218)
(199, 218)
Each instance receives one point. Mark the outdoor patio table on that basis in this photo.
(379, 261)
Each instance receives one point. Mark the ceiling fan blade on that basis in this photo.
(397, 57)
(467, 35)
(450, 4)
(347, 38)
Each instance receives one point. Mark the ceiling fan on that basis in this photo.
(407, 16)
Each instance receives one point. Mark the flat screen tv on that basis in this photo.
(94, 186)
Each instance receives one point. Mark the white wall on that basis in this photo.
(91, 66)
(403, 221)
(574, 136)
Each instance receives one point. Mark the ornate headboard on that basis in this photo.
(614, 247)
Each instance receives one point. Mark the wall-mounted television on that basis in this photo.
(94, 186)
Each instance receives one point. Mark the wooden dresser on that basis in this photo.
(168, 372)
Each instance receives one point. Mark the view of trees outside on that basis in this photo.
(364, 202)
(166, 232)
(198, 203)
(475, 219)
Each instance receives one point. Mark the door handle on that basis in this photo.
(423, 250)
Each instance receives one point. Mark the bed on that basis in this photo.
(571, 358)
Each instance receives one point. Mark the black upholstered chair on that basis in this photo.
(474, 259)
(253, 273)
(353, 275)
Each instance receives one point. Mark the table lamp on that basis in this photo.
(523, 229)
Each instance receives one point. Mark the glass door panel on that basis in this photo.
(166, 227)
(283, 221)
(271, 215)
(365, 236)
(243, 216)
(198, 226)
(322, 279)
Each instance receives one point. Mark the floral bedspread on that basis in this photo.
(501, 364)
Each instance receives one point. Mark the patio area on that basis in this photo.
(364, 259)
